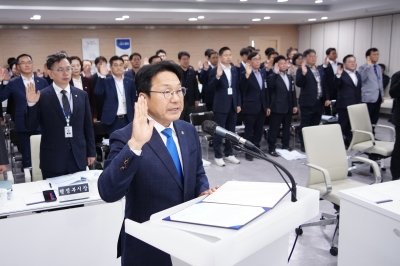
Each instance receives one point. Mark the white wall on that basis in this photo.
(356, 37)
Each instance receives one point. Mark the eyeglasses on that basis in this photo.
(168, 93)
(25, 63)
(64, 70)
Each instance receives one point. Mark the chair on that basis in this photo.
(197, 119)
(327, 160)
(15, 156)
(35, 160)
(101, 133)
(363, 139)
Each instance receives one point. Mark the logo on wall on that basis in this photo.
(122, 46)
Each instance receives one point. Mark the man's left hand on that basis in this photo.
(196, 103)
(210, 191)
(90, 160)
(238, 109)
(327, 103)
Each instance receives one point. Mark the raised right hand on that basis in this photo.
(303, 67)
(31, 95)
(369, 62)
(39, 73)
(103, 69)
(146, 61)
(206, 66)
(141, 130)
(276, 68)
(339, 70)
(219, 70)
(238, 62)
(249, 69)
(199, 65)
(2, 74)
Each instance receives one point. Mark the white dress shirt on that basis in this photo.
(334, 66)
(353, 76)
(119, 84)
(26, 81)
(68, 94)
(78, 83)
(228, 73)
(285, 79)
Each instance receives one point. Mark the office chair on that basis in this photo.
(101, 132)
(363, 139)
(327, 161)
(34, 173)
(197, 119)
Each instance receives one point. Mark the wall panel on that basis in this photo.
(317, 41)
(362, 38)
(346, 38)
(381, 35)
(304, 38)
(331, 35)
(394, 65)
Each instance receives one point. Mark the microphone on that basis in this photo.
(212, 128)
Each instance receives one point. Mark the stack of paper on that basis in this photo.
(290, 155)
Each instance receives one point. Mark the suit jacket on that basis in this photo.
(208, 92)
(16, 89)
(87, 87)
(3, 151)
(54, 147)
(190, 83)
(150, 183)
(282, 100)
(241, 68)
(329, 77)
(130, 74)
(309, 86)
(222, 101)
(395, 93)
(385, 80)
(371, 85)
(99, 99)
(255, 99)
(106, 87)
(348, 93)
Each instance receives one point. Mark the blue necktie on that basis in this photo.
(171, 147)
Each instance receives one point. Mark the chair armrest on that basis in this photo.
(388, 127)
(366, 132)
(28, 177)
(375, 167)
(327, 177)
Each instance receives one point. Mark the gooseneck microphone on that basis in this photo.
(212, 128)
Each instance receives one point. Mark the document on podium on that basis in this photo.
(233, 205)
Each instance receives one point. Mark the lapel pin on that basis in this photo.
(183, 133)
(37, 80)
(76, 95)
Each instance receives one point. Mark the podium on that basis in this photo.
(264, 241)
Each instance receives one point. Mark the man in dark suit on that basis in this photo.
(330, 66)
(241, 64)
(224, 80)
(385, 78)
(203, 78)
(347, 82)
(135, 60)
(144, 168)
(192, 97)
(255, 100)
(313, 95)
(282, 105)
(16, 89)
(63, 113)
(99, 61)
(395, 93)
(119, 95)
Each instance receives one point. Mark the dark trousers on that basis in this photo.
(71, 168)
(374, 110)
(227, 121)
(253, 129)
(209, 106)
(117, 124)
(310, 116)
(344, 123)
(275, 121)
(187, 110)
(395, 160)
(24, 146)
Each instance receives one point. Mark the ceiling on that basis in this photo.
(177, 12)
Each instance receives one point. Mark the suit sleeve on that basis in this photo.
(92, 100)
(3, 151)
(88, 130)
(203, 76)
(238, 93)
(32, 116)
(212, 79)
(6, 91)
(243, 83)
(395, 86)
(300, 78)
(363, 71)
(100, 86)
(196, 87)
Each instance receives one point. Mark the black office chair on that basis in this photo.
(101, 133)
(197, 119)
(16, 156)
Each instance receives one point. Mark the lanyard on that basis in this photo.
(118, 89)
(68, 115)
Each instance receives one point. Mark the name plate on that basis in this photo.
(73, 192)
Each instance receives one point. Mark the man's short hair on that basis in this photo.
(369, 51)
(347, 57)
(13, 63)
(100, 58)
(183, 53)
(144, 77)
(290, 50)
(329, 50)
(55, 58)
(252, 55)
(244, 51)
(10, 60)
(251, 48)
(153, 57)
(278, 58)
(309, 51)
(76, 58)
(223, 49)
(207, 52)
(86, 60)
(116, 58)
(269, 50)
(23, 55)
(382, 66)
(160, 51)
(124, 55)
(211, 53)
(272, 53)
(134, 54)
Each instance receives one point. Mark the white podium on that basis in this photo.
(264, 241)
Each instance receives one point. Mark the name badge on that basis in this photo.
(68, 131)
(229, 91)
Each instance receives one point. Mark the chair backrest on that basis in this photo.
(196, 119)
(325, 148)
(35, 157)
(200, 109)
(100, 131)
(359, 120)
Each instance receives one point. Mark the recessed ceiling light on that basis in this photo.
(324, 18)
(119, 19)
(36, 17)
(243, 0)
(312, 19)
(256, 19)
(282, 1)
(125, 17)
(200, 17)
(25, 27)
(200, 0)
(267, 17)
(192, 19)
(318, 1)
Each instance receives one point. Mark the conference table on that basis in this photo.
(77, 232)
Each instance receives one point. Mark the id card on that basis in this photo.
(68, 131)
(229, 91)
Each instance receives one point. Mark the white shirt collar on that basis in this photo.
(115, 78)
(348, 71)
(332, 62)
(160, 127)
(59, 89)
(224, 67)
(30, 79)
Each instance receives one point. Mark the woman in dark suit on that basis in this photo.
(83, 83)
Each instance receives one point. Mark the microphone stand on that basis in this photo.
(264, 157)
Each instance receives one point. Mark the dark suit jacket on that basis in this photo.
(385, 80)
(208, 93)
(98, 98)
(329, 77)
(255, 99)
(54, 147)
(282, 100)
(150, 183)
(130, 74)
(348, 93)
(190, 83)
(87, 86)
(222, 101)
(309, 86)
(106, 87)
(241, 68)
(3, 151)
(395, 93)
(16, 89)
